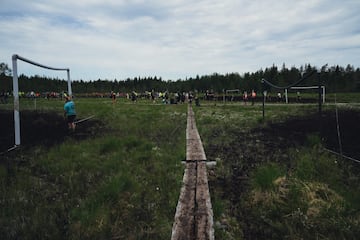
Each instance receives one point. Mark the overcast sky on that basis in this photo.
(176, 39)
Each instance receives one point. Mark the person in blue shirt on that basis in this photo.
(70, 113)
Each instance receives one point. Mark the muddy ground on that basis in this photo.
(49, 128)
(249, 149)
(271, 142)
(246, 150)
(42, 128)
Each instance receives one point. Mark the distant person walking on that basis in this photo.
(245, 97)
(113, 97)
(133, 96)
(253, 97)
(152, 94)
(70, 113)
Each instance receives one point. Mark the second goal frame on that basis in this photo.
(304, 88)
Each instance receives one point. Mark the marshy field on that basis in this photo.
(118, 176)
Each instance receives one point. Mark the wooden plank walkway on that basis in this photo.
(194, 215)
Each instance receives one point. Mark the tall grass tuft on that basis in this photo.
(306, 166)
(263, 178)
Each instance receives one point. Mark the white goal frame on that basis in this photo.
(230, 91)
(304, 88)
(16, 57)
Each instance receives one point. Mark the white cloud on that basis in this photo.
(177, 39)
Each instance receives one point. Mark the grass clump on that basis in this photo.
(264, 177)
(306, 167)
(309, 201)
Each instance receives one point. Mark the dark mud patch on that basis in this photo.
(335, 133)
(43, 128)
(270, 143)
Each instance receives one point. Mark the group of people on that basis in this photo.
(165, 97)
(252, 97)
(70, 113)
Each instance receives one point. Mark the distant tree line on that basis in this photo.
(335, 78)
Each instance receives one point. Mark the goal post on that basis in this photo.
(16, 57)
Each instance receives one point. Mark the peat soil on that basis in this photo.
(270, 143)
(250, 148)
(42, 128)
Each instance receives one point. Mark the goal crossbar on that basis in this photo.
(16, 57)
(306, 87)
(226, 92)
(232, 90)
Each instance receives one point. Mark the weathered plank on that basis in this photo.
(194, 216)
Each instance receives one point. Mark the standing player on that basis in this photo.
(113, 97)
(69, 113)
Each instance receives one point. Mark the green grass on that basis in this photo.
(123, 183)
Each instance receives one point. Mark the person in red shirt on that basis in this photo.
(253, 97)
